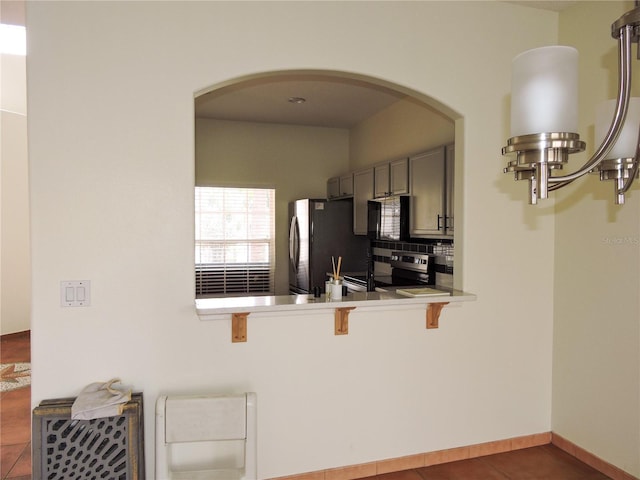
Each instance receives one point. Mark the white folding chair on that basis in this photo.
(206, 437)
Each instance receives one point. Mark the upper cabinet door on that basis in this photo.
(381, 179)
(399, 176)
(362, 193)
(427, 182)
(333, 188)
(392, 178)
(346, 185)
(340, 187)
(450, 161)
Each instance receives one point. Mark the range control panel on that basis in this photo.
(418, 262)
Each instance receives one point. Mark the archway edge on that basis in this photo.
(289, 74)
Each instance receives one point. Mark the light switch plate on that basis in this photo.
(75, 293)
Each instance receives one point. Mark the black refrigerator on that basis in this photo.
(318, 230)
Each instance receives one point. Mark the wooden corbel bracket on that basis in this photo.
(433, 314)
(239, 327)
(342, 320)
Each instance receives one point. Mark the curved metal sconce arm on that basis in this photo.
(622, 105)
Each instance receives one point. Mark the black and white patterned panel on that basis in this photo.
(86, 449)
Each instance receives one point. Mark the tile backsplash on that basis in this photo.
(381, 256)
(382, 249)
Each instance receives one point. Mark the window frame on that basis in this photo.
(226, 277)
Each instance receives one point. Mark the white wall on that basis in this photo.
(295, 160)
(111, 137)
(596, 369)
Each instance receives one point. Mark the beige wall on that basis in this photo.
(295, 160)
(15, 286)
(596, 373)
(111, 138)
(402, 129)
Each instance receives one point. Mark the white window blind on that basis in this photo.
(234, 241)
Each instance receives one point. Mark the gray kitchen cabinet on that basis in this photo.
(362, 192)
(346, 185)
(399, 176)
(450, 160)
(391, 178)
(340, 187)
(333, 188)
(381, 180)
(427, 177)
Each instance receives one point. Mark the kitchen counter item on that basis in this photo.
(421, 292)
(336, 290)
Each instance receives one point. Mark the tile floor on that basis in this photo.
(538, 463)
(15, 414)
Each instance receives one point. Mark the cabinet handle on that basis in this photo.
(439, 217)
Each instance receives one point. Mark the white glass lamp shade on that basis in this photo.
(625, 146)
(544, 91)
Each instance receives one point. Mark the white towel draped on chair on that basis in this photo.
(99, 400)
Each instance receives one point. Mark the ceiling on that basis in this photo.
(329, 101)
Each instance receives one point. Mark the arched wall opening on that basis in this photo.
(250, 134)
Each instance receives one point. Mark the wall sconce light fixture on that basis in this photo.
(544, 117)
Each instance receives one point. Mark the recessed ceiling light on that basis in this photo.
(297, 100)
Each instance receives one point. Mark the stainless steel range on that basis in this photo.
(412, 268)
(408, 268)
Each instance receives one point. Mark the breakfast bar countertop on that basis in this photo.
(222, 307)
